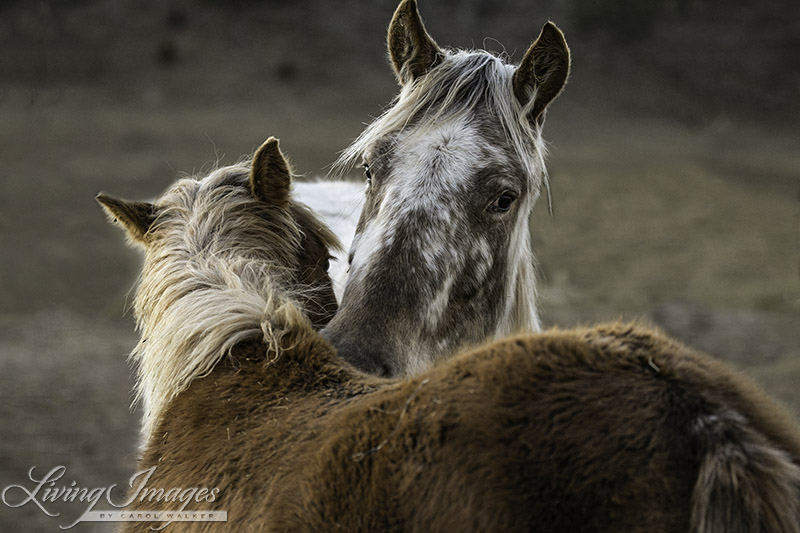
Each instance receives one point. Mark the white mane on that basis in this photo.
(207, 283)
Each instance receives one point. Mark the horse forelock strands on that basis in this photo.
(207, 283)
(462, 82)
(522, 314)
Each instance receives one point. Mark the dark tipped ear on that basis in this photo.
(135, 217)
(543, 71)
(270, 177)
(412, 50)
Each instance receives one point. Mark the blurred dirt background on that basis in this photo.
(674, 162)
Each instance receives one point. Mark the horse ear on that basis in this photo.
(412, 50)
(134, 217)
(270, 177)
(543, 71)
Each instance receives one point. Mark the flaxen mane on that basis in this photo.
(210, 247)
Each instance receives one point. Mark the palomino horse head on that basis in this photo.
(442, 254)
(219, 252)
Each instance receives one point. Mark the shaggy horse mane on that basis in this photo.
(211, 280)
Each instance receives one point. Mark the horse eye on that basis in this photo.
(367, 174)
(502, 203)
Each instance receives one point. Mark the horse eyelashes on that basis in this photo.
(502, 203)
(367, 173)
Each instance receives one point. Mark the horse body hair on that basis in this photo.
(612, 428)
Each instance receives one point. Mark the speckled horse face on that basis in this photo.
(432, 251)
(442, 255)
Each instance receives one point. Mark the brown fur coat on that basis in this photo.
(613, 428)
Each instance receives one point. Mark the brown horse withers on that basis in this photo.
(251, 412)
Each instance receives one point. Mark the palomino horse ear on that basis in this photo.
(135, 217)
(270, 177)
(543, 71)
(412, 50)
